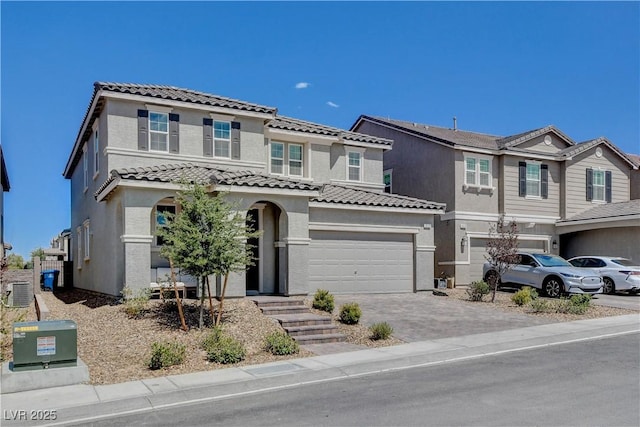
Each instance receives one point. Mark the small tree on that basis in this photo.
(208, 236)
(38, 253)
(502, 251)
(15, 262)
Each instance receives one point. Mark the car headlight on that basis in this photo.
(573, 276)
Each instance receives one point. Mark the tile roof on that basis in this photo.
(635, 158)
(584, 146)
(341, 194)
(618, 210)
(206, 174)
(186, 95)
(513, 140)
(444, 135)
(297, 125)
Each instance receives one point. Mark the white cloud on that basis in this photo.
(332, 104)
(302, 85)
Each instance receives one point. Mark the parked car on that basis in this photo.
(551, 274)
(618, 274)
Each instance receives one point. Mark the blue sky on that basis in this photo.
(500, 68)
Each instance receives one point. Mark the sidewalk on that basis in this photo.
(86, 403)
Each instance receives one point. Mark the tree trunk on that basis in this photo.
(201, 321)
(210, 301)
(224, 290)
(178, 300)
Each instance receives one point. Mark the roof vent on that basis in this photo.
(455, 123)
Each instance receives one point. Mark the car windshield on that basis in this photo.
(551, 260)
(624, 262)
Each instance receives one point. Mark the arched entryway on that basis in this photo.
(265, 277)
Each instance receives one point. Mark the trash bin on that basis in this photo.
(50, 279)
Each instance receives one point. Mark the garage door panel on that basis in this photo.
(344, 262)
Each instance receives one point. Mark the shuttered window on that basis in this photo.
(158, 131)
(599, 185)
(222, 139)
(533, 180)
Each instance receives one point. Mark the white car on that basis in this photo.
(552, 275)
(618, 274)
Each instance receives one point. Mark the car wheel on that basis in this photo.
(492, 277)
(609, 286)
(553, 287)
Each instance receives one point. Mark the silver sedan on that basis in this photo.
(618, 274)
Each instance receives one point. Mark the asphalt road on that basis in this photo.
(583, 383)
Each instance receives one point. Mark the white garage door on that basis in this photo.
(478, 251)
(345, 262)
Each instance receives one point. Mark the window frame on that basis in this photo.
(538, 165)
(477, 172)
(158, 132)
(389, 173)
(85, 167)
(301, 161)
(226, 141)
(156, 224)
(272, 145)
(79, 245)
(96, 151)
(601, 187)
(86, 229)
(359, 167)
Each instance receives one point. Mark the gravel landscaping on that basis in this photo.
(117, 347)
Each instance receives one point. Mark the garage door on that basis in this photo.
(343, 262)
(478, 251)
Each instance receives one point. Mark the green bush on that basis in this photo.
(135, 302)
(524, 296)
(279, 343)
(222, 348)
(165, 354)
(323, 300)
(478, 290)
(579, 304)
(380, 331)
(540, 306)
(350, 313)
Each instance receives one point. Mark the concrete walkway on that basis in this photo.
(82, 404)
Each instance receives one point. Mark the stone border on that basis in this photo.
(42, 310)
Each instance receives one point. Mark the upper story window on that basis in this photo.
(477, 172)
(533, 179)
(158, 131)
(161, 219)
(354, 166)
(388, 181)
(96, 152)
(599, 185)
(222, 139)
(85, 168)
(287, 159)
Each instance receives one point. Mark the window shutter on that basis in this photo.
(544, 181)
(174, 133)
(143, 130)
(589, 184)
(522, 178)
(207, 137)
(235, 140)
(607, 186)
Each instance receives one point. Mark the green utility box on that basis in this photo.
(46, 344)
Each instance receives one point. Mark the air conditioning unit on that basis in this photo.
(21, 294)
(44, 345)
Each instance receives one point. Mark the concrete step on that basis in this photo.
(297, 331)
(301, 319)
(319, 339)
(284, 309)
(263, 301)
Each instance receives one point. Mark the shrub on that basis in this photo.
(222, 348)
(279, 343)
(524, 296)
(540, 306)
(478, 290)
(323, 300)
(135, 302)
(165, 354)
(380, 331)
(350, 313)
(579, 304)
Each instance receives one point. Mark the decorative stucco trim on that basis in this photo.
(598, 223)
(266, 190)
(279, 244)
(136, 238)
(329, 205)
(424, 248)
(297, 240)
(335, 226)
(492, 217)
(181, 157)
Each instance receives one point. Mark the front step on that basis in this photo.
(263, 301)
(283, 309)
(297, 331)
(319, 339)
(302, 319)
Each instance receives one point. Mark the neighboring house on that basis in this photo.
(59, 250)
(635, 177)
(4, 186)
(316, 192)
(541, 179)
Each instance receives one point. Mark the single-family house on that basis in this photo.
(316, 192)
(565, 196)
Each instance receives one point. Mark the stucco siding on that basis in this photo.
(634, 183)
(320, 162)
(576, 200)
(472, 198)
(514, 204)
(371, 165)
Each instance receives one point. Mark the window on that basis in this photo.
(158, 131)
(277, 158)
(354, 160)
(222, 139)
(79, 239)
(161, 220)
(295, 159)
(533, 180)
(599, 185)
(85, 168)
(477, 172)
(87, 236)
(96, 153)
(387, 181)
